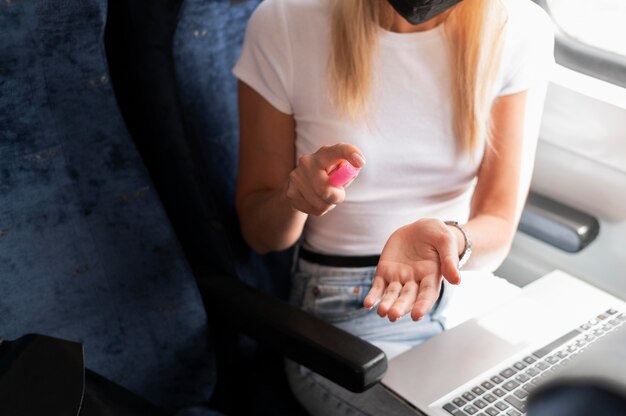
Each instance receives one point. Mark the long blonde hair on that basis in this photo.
(474, 31)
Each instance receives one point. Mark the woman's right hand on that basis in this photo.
(308, 189)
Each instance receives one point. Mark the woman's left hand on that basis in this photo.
(409, 273)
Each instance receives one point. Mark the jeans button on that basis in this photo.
(316, 290)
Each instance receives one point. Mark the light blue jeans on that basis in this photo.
(336, 295)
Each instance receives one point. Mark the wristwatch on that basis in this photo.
(467, 252)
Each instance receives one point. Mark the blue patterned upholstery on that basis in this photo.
(86, 251)
(207, 44)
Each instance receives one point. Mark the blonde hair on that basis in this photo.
(474, 30)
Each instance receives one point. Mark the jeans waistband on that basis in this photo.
(339, 261)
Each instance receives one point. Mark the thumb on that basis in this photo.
(449, 258)
(331, 156)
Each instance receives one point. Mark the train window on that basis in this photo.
(589, 37)
(598, 23)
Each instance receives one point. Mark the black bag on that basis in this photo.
(41, 375)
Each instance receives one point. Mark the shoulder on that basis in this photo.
(528, 52)
(527, 21)
(292, 12)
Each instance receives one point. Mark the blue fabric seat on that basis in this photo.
(207, 43)
(86, 250)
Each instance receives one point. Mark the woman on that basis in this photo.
(438, 106)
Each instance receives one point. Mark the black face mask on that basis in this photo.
(420, 11)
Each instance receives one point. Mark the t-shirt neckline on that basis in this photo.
(395, 38)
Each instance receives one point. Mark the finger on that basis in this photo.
(330, 156)
(390, 296)
(325, 189)
(375, 293)
(300, 203)
(448, 256)
(450, 269)
(300, 190)
(404, 302)
(426, 296)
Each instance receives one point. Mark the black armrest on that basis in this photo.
(335, 354)
(563, 227)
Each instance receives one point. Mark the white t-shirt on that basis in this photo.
(413, 169)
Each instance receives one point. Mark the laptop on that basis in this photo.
(487, 365)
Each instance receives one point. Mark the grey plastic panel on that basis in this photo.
(557, 224)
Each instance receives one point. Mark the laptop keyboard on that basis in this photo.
(505, 392)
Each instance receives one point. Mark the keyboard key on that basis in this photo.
(532, 371)
(553, 359)
(611, 311)
(459, 402)
(602, 317)
(614, 322)
(468, 396)
(470, 410)
(480, 404)
(542, 352)
(449, 407)
(457, 412)
(572, 348)
(477, 391)
(607, 327)
(508, 372)
(522, 378)
(621, 317)
(541, 365)
(490, 397)
(516, 403)
(513, 412)
(496, 379)
(510, 385)
(499, 392)
(487, 385)
(502, 405)
(561, 354)
(520, 394)
(585, 327)
(519, 365)
(529, 360)
(491, 411)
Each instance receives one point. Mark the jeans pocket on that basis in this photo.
(336, 300)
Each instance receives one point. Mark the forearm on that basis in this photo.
(268, 221)
(491, 241)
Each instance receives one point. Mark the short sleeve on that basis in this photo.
(528, 55)
(265, 63)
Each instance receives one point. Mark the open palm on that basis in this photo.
(409, 273)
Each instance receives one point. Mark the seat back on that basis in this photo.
(86, 251)
(207, 43)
